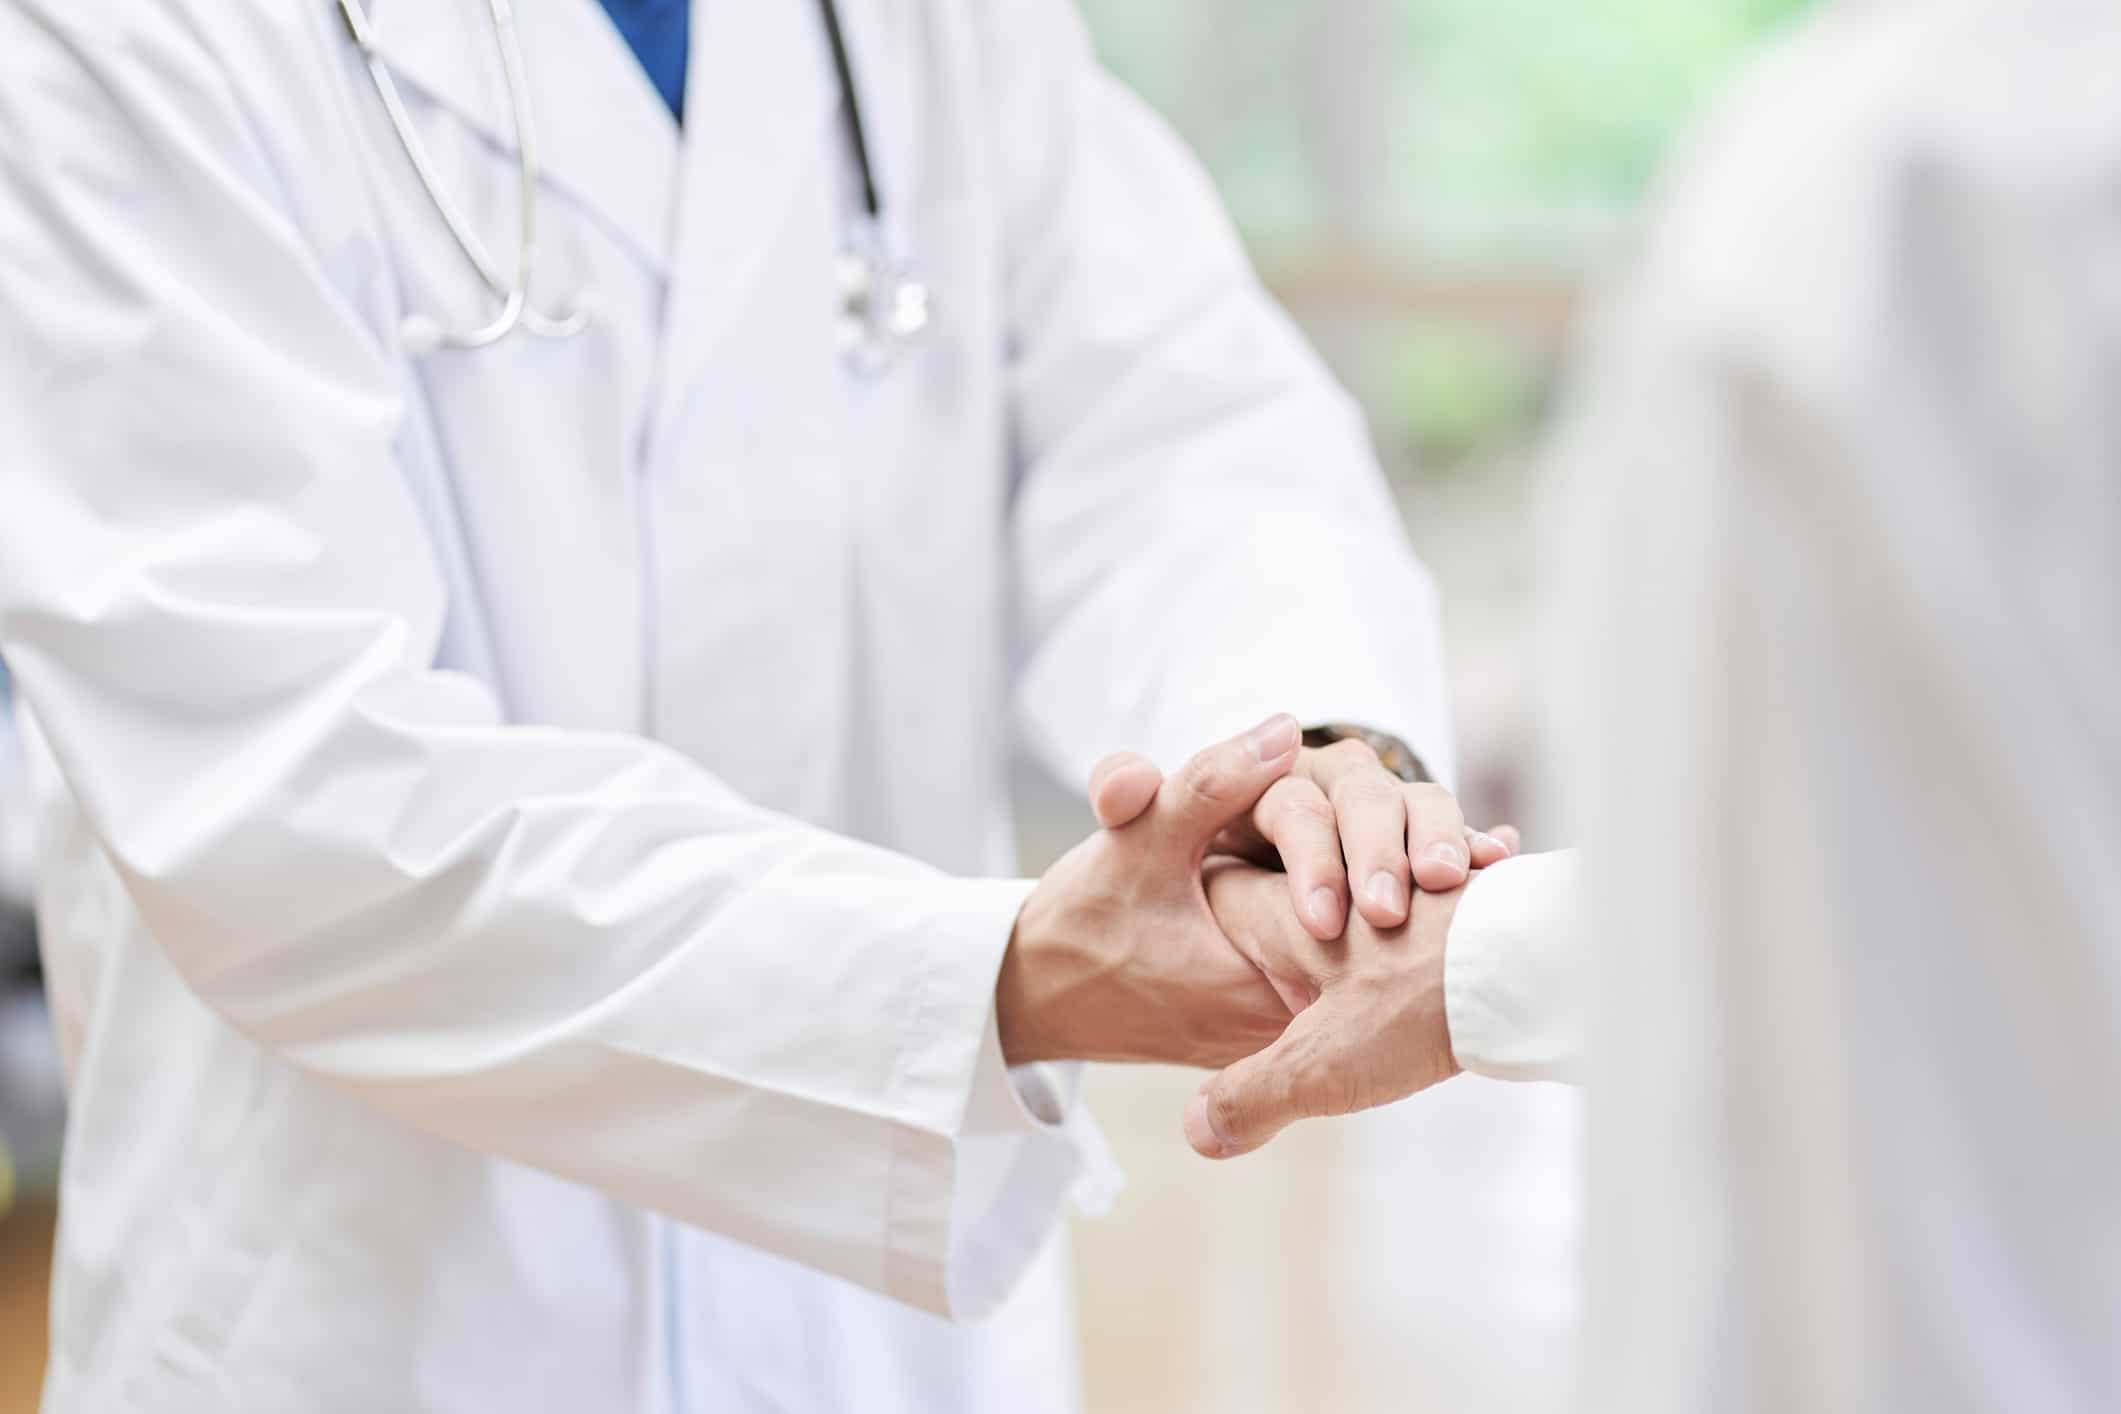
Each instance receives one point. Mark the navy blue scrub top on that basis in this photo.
(657, 30)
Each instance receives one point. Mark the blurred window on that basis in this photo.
(1424, 182)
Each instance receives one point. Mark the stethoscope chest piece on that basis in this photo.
(884, 305)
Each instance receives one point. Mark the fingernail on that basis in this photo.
(1492, 842)
(1324, 908)
(1275, 738)
(1450, 856)
(1200, 1133)
(1383, 892)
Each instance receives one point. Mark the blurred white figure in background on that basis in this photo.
(1841, 522)
(1837, 539)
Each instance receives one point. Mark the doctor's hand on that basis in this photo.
(1372, 1026)
(1338, 815)
(1116, 955)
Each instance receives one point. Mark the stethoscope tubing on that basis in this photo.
(877, 316)
(857, 134)
(516, 310)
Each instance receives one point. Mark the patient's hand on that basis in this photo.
(1372, 1027)
(1369, 1024)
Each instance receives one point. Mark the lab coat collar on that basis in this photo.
(760, 101)
(606, 139)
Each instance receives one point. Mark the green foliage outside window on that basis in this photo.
(1489, 112)
(1497, 137)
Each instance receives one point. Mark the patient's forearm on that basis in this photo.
(1515, 972)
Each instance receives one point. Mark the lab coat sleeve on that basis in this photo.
(1201, 529)
(572, 950)
(1515, 995)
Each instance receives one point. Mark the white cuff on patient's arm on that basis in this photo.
(1515, 980)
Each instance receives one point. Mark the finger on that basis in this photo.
(1298, 1077)
(1241, 838)
(1251, 907)
(1370, 809)
(1486, 848)
(1296, 818)
(1121, 787)
(1222, 784)
(1436, 838)
(1511, 840)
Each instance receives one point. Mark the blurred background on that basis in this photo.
(1427, 185)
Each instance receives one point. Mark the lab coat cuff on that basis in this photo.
(966, 1219)
(1513, 976)
(1017, 1100)
(1028, 1099)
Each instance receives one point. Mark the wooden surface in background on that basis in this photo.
(25, 1284)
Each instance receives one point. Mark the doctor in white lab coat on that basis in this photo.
(14, 808)
(473, 991)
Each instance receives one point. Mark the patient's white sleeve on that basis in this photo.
(1514, 976)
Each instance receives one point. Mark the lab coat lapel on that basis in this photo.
(760, 101)
(605, 139)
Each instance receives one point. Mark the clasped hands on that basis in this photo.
(1315, 990)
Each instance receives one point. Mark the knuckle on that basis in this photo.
(1308, 808)
(1209, 777)
(1348, 754)
(1371, 791)
(1226, 1113)
(1315, 1084)
(1334, 1086)
(1435, 806)
(1276, 796)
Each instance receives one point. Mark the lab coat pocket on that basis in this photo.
(188, 1295)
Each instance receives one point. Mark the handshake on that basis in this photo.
(1315, 990)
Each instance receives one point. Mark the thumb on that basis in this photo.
(1121, 787)
(1300, 1076)
(1220, 786)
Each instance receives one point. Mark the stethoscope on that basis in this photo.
(884, 304)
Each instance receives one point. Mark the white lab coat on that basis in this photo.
(1838, 537)
(15, 848)
(497, 799)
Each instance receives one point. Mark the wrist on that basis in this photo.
(1029, 1006)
